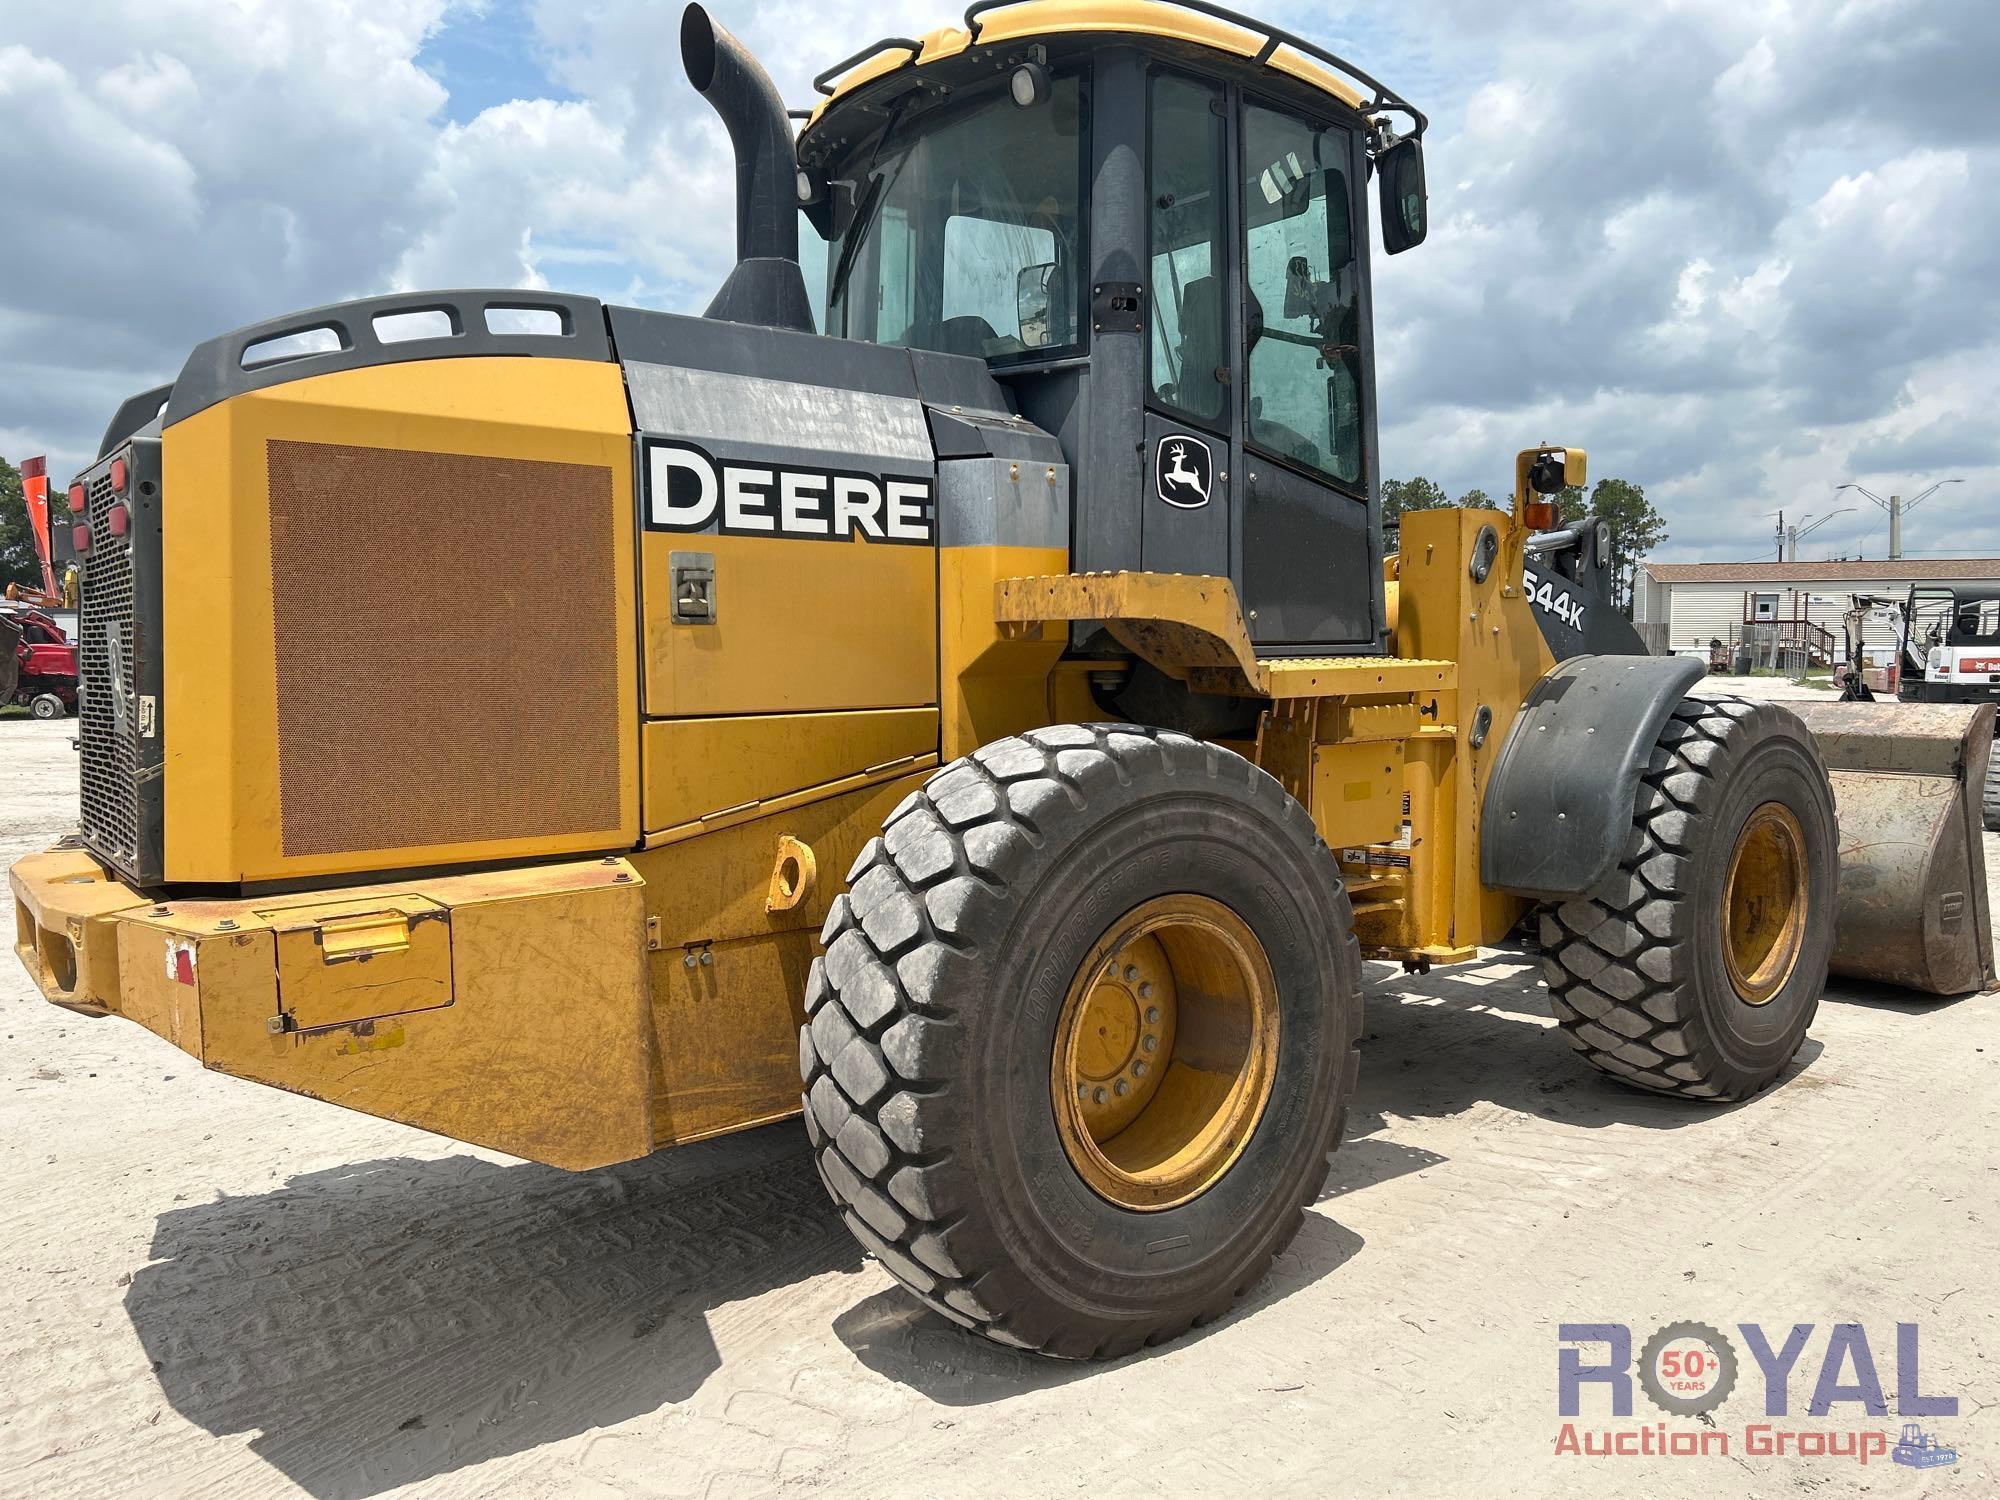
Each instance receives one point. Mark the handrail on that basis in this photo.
(1274, 38)
(824, 82)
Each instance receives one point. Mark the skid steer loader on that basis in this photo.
(992, 725)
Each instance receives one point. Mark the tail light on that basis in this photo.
(79, 538)
(118, 475)
(118, 520)
(77, 497)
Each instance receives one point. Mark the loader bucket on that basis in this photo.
(1906, 785)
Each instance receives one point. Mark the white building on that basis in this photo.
(1697, 603)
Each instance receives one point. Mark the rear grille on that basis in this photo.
(108, 711)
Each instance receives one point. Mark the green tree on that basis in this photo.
(18, 563)
(1475, 499)
(1399, 495)
(1636, 529)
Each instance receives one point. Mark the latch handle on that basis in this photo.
(365, 935)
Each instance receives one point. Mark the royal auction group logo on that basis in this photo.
(1689, 1370)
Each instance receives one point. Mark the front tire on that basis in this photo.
(1992, 790)
(46, 706)
(1696, 966)
(1083, 1036)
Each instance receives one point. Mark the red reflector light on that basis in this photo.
(119, 520)
(76, 498)
(118, 475)
(79, 537)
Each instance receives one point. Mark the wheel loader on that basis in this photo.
(993, 728)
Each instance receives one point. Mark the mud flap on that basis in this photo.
(1907, 780)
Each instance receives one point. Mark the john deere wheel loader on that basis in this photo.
(996, 712)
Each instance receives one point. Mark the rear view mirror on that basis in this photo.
(1405, 204)
(1299, 297)
(1032, 300)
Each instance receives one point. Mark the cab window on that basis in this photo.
(963, 234)
(1302, 280)
(1976, 622)
(1188, 357)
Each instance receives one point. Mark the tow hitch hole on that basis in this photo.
(58, 960)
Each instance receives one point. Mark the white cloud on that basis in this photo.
(1741, 249)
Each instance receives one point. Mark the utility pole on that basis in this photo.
(1897, 509)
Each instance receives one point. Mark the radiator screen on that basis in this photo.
(445, 648)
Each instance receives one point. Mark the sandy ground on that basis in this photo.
(217, 1289)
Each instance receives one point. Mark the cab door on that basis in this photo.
(1187, 524)
(1310, 562)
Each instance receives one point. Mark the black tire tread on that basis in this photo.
(1610, 959)
(1992, 791)
(881, 1001)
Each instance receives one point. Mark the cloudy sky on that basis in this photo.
(1742, 250)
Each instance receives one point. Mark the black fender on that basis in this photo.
(1558, 807)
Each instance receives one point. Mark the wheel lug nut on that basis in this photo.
(1146, 991)
(1131, 972)
(1097, 1097)
(1083, 1092)
(1152, 1015)
(1139, 1068)
(1150, 1043)
(1121, 1088)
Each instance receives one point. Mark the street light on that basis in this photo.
(1795, 532)
(1897, 508)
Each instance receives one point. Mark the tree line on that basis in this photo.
(1636, 528)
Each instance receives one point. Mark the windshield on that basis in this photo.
(965, 235)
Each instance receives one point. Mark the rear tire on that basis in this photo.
(1696, 966)
(1992, 799)
(934, 1092)
(47, 706)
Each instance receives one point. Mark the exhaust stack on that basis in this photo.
(766, 285)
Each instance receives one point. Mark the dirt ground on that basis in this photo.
(214, 1288)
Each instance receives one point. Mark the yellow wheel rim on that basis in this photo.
(1165, 1052)
(1764, 904)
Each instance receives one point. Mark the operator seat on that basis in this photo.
(968, 333)
(1200, 350)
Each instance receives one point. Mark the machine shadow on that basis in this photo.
(392, 1321)
(1866, 994)
(385, 1323)
(901, 1340)
(1482, 1033)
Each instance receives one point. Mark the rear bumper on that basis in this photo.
(507, 1008)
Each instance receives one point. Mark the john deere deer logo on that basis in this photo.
(1183, 471)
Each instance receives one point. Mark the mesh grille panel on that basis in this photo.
(445, 644)
(108, 713)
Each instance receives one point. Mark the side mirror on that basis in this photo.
(1399, 172)
(1032, 300)
(1546, 475)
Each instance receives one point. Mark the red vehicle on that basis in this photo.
(37, 660)
(43, 660)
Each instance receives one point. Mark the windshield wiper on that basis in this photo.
(863, 217)
(857, 231)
